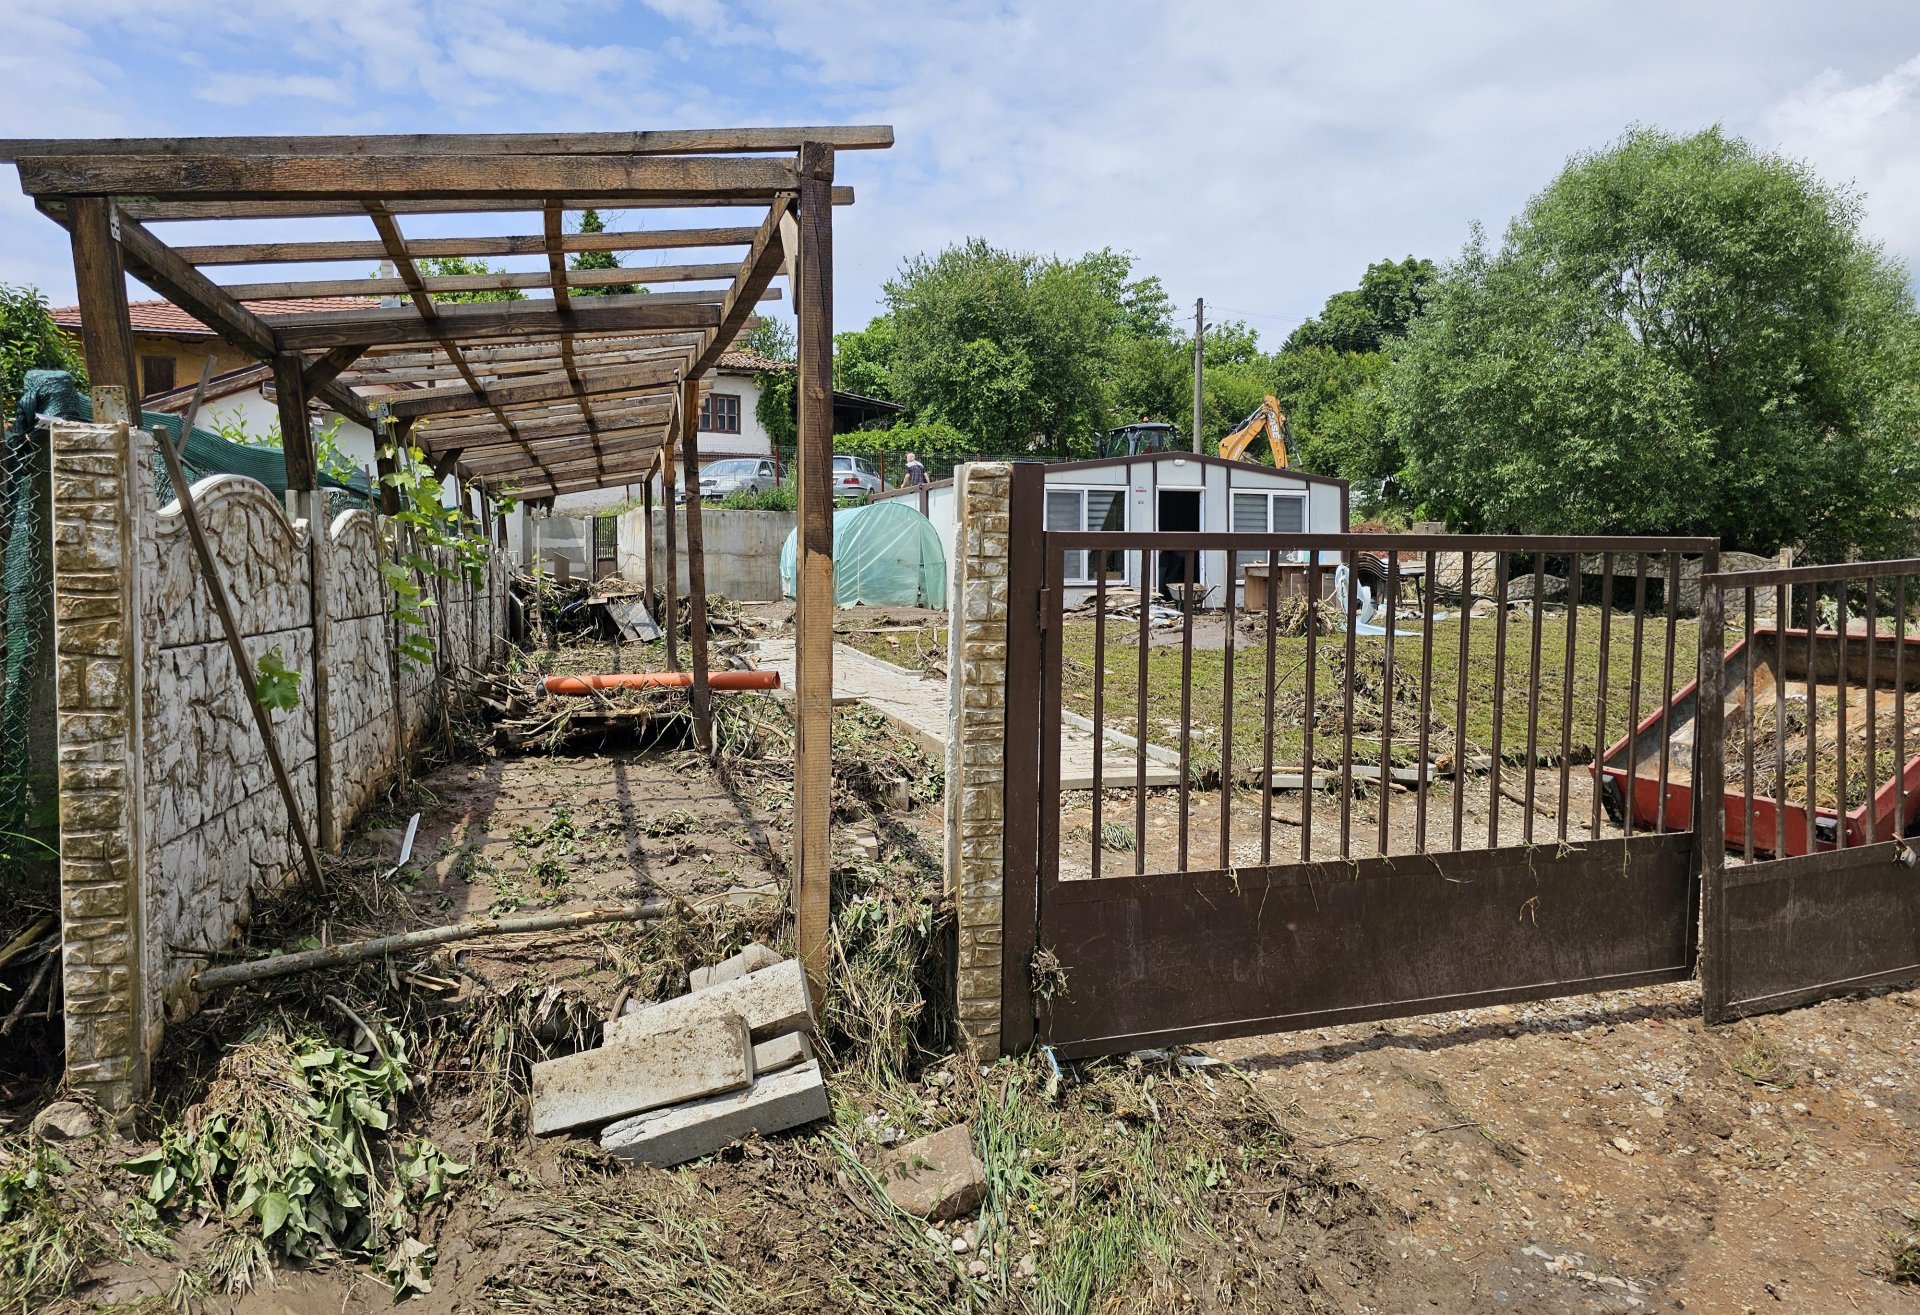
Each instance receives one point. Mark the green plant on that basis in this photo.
(276, 686)
(427, 540)
(290, 1147)
(328, 455)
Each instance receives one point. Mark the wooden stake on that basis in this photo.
(813, 586)
(668, 473)
(696, 568)
(243, 669)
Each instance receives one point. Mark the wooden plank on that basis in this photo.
(536, 367)
(106, 336)
(309, 253)
(813, 620)
(696, 568)
(296, 435)
(329, 367)
(599, 348)
(625, 380)
(182, 211)
(542, 426)
(749, 287)
(675, 141)
(488, 462)
(440, 177)
(491, 319)
(505, 279)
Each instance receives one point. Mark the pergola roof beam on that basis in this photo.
(683, 141)
(159, 211)
(744, 180)
(494, 319)
(500, 281)
(749, 286)
(600, 383)
(308, 253)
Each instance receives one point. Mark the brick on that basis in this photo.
(772, 1104)
(630, 1074)
(772, 1000)
(937, 1176)
(751, 959)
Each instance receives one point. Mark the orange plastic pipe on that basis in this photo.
(725, 680)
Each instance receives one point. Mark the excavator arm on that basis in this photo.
(1268, 418)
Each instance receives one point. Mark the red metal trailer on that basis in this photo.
(1774, 666)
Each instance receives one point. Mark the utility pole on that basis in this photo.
(1199, 340)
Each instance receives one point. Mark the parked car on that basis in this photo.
(739, 475)
(855, 478)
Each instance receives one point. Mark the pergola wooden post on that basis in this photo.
(696, 568)
(106, 333)
(669, 609)
(813, 567)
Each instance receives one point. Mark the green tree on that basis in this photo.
(1367, 318)
(590, 222)
(1680, 334)
(773, 339)
(30, 340)
(863, 360)
(453, 266)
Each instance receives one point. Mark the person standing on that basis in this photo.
(916, 473)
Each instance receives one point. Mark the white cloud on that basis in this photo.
(246, 88)
(1863, 133)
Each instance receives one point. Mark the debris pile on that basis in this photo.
(679, 1079)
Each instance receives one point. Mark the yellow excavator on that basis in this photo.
(1269, 419)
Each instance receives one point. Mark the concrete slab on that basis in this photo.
(780, 1052)
(751, 959)
(773, 1000)
(631, 1074)
(773, 1103)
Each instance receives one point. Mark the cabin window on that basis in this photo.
(1076, 510)
(1268, 513)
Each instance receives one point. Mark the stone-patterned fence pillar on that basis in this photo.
(976, 732)
(97, 506)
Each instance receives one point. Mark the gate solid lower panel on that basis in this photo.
(1802, 929)
(1187, 957)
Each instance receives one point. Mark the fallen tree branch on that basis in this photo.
(25, 941)
(334, 956)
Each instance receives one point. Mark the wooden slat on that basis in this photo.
(530, 371)
(439, 177)
(329, 367)
(491, 319)
(588, 344)
(749, 286)
(552, 448)
(615, 382)
(677, 141)
(159, 211)
(582, 278)
(526, 429)
(579, 467)
(308, 253)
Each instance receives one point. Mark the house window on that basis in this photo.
(720, 413)
(156, 375)
(1088, 509)
(1268, 513)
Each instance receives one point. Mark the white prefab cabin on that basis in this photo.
(1167, 492)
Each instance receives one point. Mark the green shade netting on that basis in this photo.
(52, 393)
(885, 554)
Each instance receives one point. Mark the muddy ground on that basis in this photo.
(1597, 1154)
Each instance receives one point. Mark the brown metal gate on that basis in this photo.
(1398, 816)
(1809, 862)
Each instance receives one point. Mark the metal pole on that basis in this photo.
(1199, 343)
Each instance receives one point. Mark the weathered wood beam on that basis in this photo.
(299, 177)
(749, 285)
(612, 344)
(530, 371)
(491, 319)
(617, 455)
(106, 336)
(528, 429)
(329, 367)
(702, 697)
(614, 382)
(580, 278)
(296, 423)
(677, 141)
(309, 253)
(812, 862)
(158, 211)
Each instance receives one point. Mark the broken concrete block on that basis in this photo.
(773, 1103)
(772, 1000)
(864, 839)
(781, 1052)
(937, 1176)
(64, 1120)
(630, 1074)
(755, 957)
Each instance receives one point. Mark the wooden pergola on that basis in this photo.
(557, 393)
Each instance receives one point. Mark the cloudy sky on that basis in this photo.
(1257, 154)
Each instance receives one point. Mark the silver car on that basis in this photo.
(738, 475)
(855, 478)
